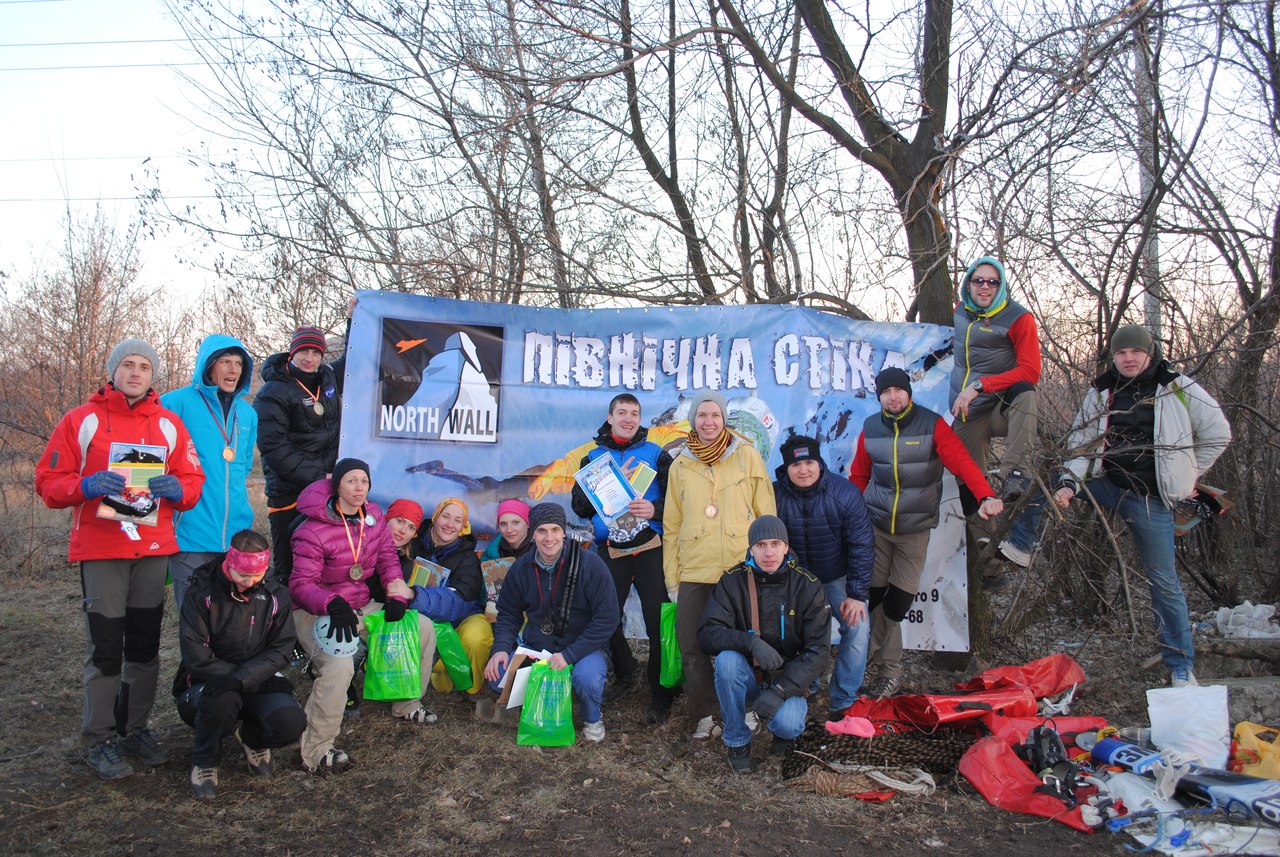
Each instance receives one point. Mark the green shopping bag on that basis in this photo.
(547, 717)
(671, 672)
(456, 662)
(393, 671)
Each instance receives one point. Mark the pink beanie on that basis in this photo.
(514, 507)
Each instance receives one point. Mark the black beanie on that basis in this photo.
(800, 448)
(893, 377)
(547, 513)
(345, 466)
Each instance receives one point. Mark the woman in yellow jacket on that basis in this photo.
(717, 486)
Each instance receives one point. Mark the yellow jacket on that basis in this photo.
(697, 548)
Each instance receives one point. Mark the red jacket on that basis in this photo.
(79, 447)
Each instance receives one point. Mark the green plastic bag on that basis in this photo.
(547, 717)
(393, 671)
(671, 671)
(456, 662)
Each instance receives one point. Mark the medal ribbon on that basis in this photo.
(356, 549)
(315, 397)
(235, 420)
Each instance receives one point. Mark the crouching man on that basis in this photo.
(236, 634)
(768, 626)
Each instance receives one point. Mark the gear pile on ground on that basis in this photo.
(937, 752)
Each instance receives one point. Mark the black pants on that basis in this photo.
(267, 721)
(281, 543)
(644, 570)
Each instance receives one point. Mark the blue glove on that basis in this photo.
(102, 483)
(166, 487)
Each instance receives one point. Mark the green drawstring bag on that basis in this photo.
(456, 662)
(547, 717)
(671, 672)
(393, 671)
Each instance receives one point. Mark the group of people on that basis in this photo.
(757, 567)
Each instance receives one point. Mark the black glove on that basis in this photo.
(767, 705)
(766, 655)
(393, 611)
(221, 684)
(343, 623)
(275, 684)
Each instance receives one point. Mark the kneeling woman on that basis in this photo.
(459, 597)
(342, 542)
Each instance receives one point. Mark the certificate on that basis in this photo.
(607, 487)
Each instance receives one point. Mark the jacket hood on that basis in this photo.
(1160, 370)
(276, 368)
(211, 346)
(314, 502)
(1002, 294)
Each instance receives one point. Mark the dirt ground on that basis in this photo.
(461, 787)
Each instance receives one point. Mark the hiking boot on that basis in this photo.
(204, 782)
(706, 728)
(259, 760)
(885, 685)
(1015, 485)
(593, 732)
(420, 715)
(1015, 554)
(835, 715)
(620, 687)
(143, 744)
(752, 721)
(781, 746)
(353, 702)
(332, 762)
(105, 760)
(658, 711)
(1183, 677)
(740, 759)
(994, 584)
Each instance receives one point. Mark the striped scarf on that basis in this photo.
(709, 453)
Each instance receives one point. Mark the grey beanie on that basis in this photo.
(547, 513)
(1133, 336)
(767, 527)
(133, 346)
(708, 396)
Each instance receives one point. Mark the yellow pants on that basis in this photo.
(476, 635)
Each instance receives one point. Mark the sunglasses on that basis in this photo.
(993, 282)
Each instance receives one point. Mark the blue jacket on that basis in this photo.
(830, 531)
(224, 507)
(639, 449)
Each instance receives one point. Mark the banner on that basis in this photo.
(492, 401)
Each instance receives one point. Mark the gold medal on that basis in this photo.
(711, 510)
(318, 408)
(357, 571)
(228, 454)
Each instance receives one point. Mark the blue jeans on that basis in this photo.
(1150, 522)
(851, 659)
(588, 684)
(736, 688)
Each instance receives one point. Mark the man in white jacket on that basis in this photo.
(1142, 438)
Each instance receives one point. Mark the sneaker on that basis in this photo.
(740, 759)
(105, 760)
(1183, 677)
(143, 744)
(1015, 554)
(753, 722)
(706, 728)
(333, 761)
(593, 732)
(620, 687)
(421, 715)
(835, 715)
(259, 760)
(885, 685)
(658, 711)
(781, 746)
(1015, 485)
(204, 782)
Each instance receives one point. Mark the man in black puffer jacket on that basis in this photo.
(769, 627)
(830, 534)
(299, 408)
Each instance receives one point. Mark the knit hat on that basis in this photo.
(466, 513)
(132, 346)
(708, 396)
(307, 337)
(514, 507)
(345, 466)
(406, 509)
(547, 513)
(800, 448)
(767, 527)
(1133, 336)
(892, 376)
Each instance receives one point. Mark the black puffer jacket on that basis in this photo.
(795, 619)
(829, 528)
(249, 637)
(298, 445)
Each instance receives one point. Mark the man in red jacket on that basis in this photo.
(124, 465)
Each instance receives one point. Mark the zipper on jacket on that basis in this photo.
(782, 618)
(897, 484)
(968, 364)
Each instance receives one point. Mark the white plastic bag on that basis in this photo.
(1192, 721)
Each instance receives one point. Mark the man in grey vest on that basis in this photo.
(993, 382)
(898, 466)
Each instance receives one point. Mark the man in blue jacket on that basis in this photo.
(830, 534)
(224, 429)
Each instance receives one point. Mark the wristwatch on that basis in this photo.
(977, 386)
